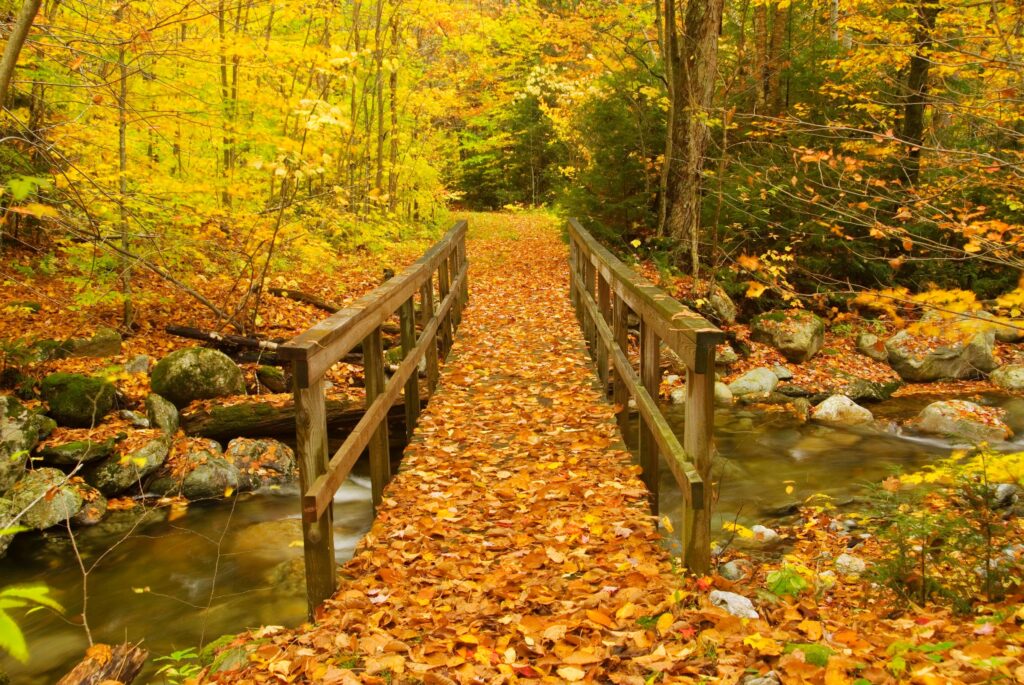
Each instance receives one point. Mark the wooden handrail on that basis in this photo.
(316, 350)
(662, 319)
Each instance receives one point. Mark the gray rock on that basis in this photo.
(797, 334)
(261, 462)
(735, 604)
(802, 408)
(862, 390)
(105, 342)
(962, 420)
(918, 357)
(94, 507)
(841, 410)
(723, 395)
(678, 396)
(1006, 330)
(162, 414)
(47, 498)
(726, 357)
(1009, 377)
(782, 373)
(1005, 494)
(7, 514)
(722, 306)
(77, 400)
(118, 473)
(769, 678)
(196, 373)
(207, 474)
(764, 534)
(140, 363)
(20, 430)
(77, 451)
(873, 347)
(733, 570)
(759, 381)
(272, 378)
(135, 418)
(850, 565)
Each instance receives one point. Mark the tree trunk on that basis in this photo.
(773, 92)
(760, 56)
(15, 42)
(127, 313)
(694, 66)
(912, 131)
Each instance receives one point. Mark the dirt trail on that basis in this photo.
(516, 539)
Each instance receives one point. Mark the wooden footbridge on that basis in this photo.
(430, 300)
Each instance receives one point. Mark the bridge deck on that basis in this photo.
(516, 540)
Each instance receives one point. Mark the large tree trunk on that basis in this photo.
(773, 91)
(694, 64)
(15, 42)
(912, 131)
(760, 56)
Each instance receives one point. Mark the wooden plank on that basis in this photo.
(686, 333)
(464, 262)
(336, 335)
(317, 534)
(690, 482)
(697, 440)
(380, 457)
(318, 497)
(407, 320)
(620, 339)
(604, 305)
(443, 288)
(650, 376)
(426, 315)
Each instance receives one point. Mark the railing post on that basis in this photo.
(697, 441)
(426, 314)
(317, 536)
(620, 393)
(412, 386)
(380, 459)
(591, 329)
(574, 297)
(650, 377)
(453, 272)
(462, 262)
(603, 306)
(443, 288)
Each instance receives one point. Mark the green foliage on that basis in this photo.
(786, 581)
(179, 666)
(31, 598)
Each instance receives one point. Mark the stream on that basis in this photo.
(219, 569)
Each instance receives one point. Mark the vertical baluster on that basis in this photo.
(463, 262)
(443, 288)
(311, 448)
(697, 441)
(620, 393)
(650, 377)
(426, 315)
(412, 386)
(604, 306)
(380, 459)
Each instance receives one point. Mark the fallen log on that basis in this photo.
(245, 349)
(121, 664)
(387, 327)
(273, 418)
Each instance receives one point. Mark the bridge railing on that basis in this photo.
(604, 292)
(316, 350)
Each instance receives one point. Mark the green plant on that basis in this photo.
(32, 598)
(786, 581)
(179, 666)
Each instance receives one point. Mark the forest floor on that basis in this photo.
(533, 556)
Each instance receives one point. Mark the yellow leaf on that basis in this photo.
(571, 673)
(600, 618)
(972, 247)
(228, 491)
(100, 653)
(665, 622)
(812, 629)
(755, 289)
(635, 243)
(765, 646)
(749, 263)
(667, 524)
(739, 529)
(35, 209)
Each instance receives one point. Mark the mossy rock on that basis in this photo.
(797, 334)
(77, 400)
(162, 414)
(118, 473)
(46, 497)
(105, 342)
(272, 378)
(78, 452)
(20, 430)
(7, 513)
(196, 373)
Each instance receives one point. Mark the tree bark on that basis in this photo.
(694, 66)
(912, 132)
(773, 91)
(15, 42)
(123, 666)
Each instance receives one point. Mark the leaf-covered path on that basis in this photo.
(516, 539)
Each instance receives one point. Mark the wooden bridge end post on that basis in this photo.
(317, 535)
(697, 441)
(407, 319)
(463, 262)
(380, 458)
(426, 314)
(620, 391)
(444, 285)
(650, 376)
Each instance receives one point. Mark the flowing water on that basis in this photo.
(223, 568)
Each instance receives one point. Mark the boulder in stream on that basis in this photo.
(7, 513)
(201, 472)
(962, 420)
(873, 347)
(47, 498)
(798, 334)
(760, 381)
(94, 506)
(1009, 377)
(723, 395)
(117, 473)
(928, 352)
(196, 373)
(20, 430)
(77, 400)
(77, 451)
(162, 414)
(261, 462)
(841, 410)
